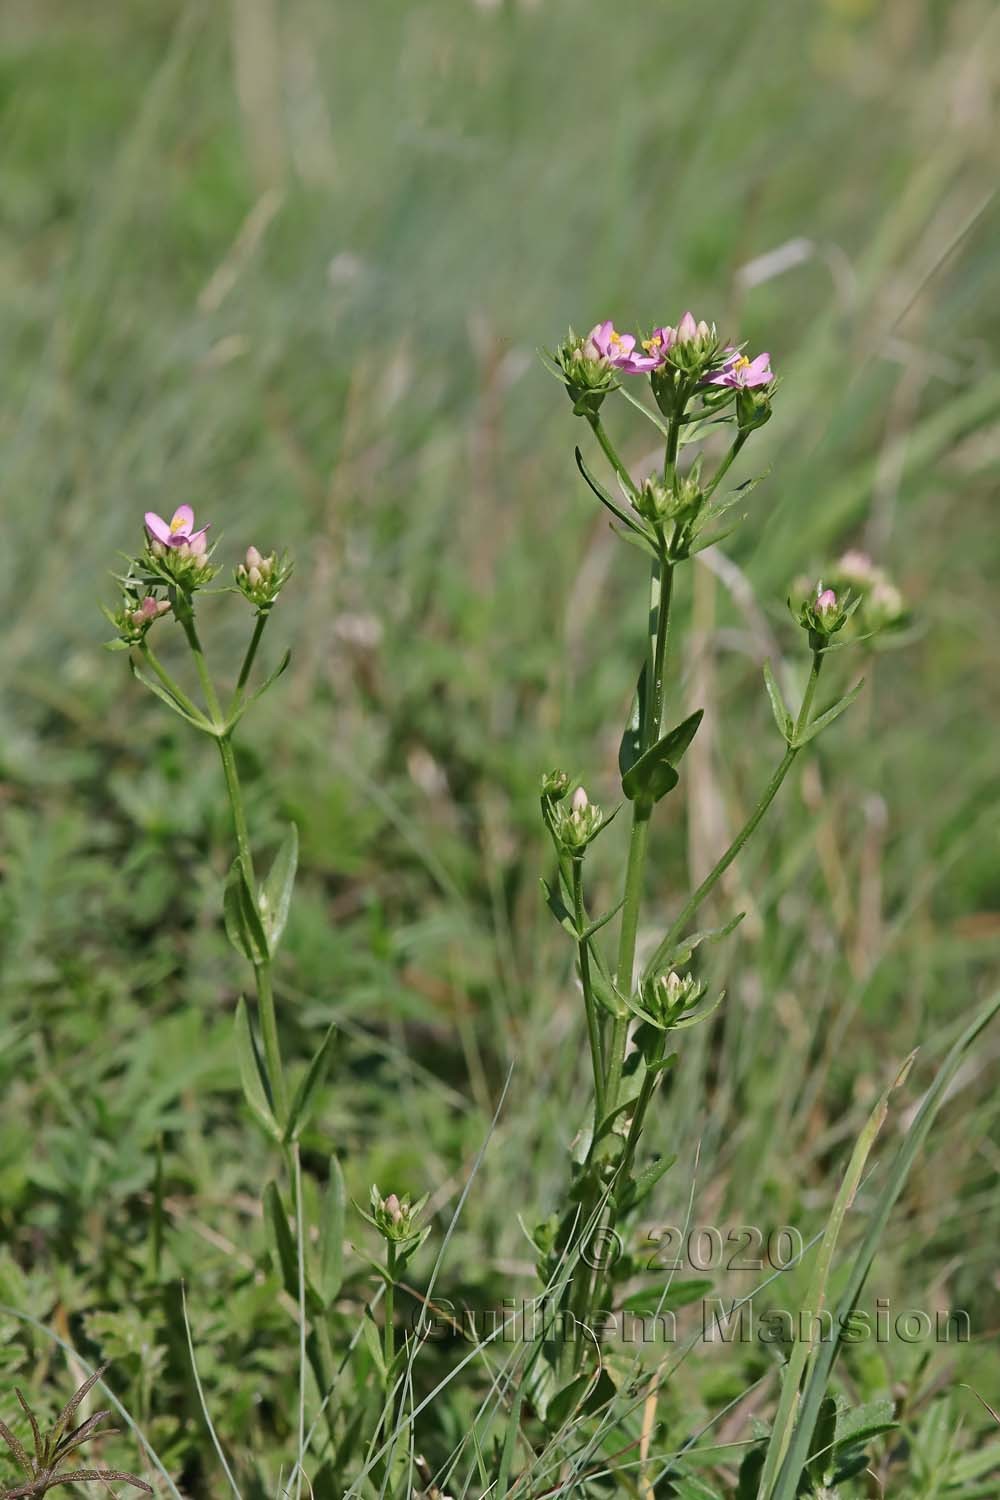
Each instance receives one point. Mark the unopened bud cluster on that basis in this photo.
(135, 615)
(395, 1218)
(667, 998)
(578, 823)
(260, 579)
(823, 613)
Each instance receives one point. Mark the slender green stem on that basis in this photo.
(185, 613)
(673, 442)
(611, 454)
(248, 660)
(389, 1346)
(661, 587)
(262, 971)
(725, 465)
(748, 829)
(146, 652)
(239, 813)
(269, 1037)
(300, 1238)
(590, 1004)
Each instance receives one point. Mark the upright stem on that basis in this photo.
(389, 1342)
(248, 660)
(185, 613)
(661, 591)
(590, 1004)
(262, 970)
(748, 829)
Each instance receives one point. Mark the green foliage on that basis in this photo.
(299, 279)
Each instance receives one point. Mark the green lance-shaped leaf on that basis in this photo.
(275, 894)
(256, 1089)
(268, 682)
(198, 719)
(243, 925)
(631, 742)
(823, 719)
(331, 1235)
(307, 1093)
(282, 1242)
(653, 775)
(623, 513)
(782, 717)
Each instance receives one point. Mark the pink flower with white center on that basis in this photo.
(618, 349)
(178, 532)
(742, 374)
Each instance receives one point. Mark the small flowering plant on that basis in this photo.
(704, 388)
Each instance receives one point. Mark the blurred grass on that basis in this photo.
(292, 264)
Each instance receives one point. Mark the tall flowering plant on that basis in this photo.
(702, 387)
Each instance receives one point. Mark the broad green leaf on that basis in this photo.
(275, 893)
(782, 717)
(631, 742)
(307, 1093)
(652, 775)
(242, 919)
(252, 1073)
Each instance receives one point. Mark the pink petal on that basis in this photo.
(182, 518)
(197, 541)
(157, 526)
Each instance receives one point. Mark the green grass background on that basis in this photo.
(291, 263)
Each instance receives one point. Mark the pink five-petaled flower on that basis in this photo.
(179, 531)
(741, 373)
(618, 349)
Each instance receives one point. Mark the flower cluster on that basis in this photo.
(260, 579)
(176, 552)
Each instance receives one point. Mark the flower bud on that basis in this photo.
(555, 785)
(253, 559)
(254, 577)
(826, 603)
(579, 800)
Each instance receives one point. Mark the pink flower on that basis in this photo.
(618, 349)
(826, 602)
(741, 373)
(178, 532)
